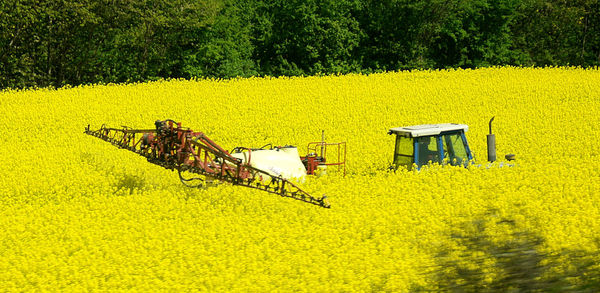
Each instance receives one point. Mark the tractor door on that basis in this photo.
(456, 148)
(403, 152)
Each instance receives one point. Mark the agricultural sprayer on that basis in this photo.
(194, 154)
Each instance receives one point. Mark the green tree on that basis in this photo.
(59, 42)
(555, 32)
(152, 39)
(225, 48)
(474, 33)
(306, 37)
(17, 24)
(398, 32)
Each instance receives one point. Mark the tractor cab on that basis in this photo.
(420, 145)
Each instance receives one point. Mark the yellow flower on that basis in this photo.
(79, 214)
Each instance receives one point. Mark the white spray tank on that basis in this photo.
(284, 161)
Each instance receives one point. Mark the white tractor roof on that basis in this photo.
(427, 129)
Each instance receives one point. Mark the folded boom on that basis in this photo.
(175, 148)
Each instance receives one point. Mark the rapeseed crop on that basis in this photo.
(79, 214)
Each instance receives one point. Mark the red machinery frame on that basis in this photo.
(176, 148)
(317, 154)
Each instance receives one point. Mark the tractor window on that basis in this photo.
(403, 154)
(428, 150)
(454, 149)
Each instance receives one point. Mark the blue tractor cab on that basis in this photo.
(420, 145)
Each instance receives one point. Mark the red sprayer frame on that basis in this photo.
(317, 155)
(313, 159)
(175, 148)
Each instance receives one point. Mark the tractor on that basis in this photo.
(446, 143)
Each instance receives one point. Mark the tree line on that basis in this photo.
(72, 42)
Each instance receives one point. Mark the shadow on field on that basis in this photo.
(491, 254)
(129, 183)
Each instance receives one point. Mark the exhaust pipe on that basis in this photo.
(491, 144)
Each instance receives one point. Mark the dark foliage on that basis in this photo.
(55, 43)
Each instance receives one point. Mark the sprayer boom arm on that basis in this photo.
(175, 148)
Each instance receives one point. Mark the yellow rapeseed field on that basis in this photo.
(77, 213)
